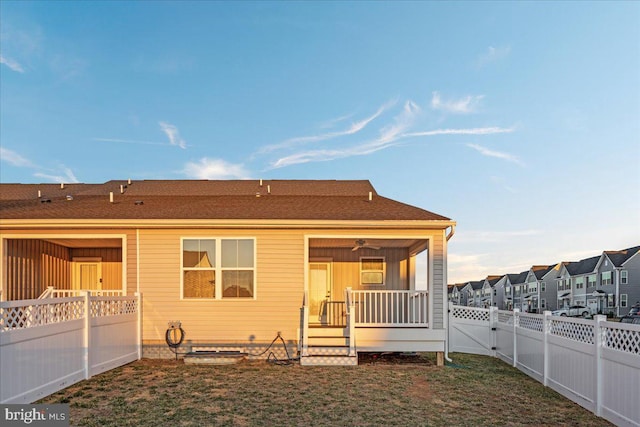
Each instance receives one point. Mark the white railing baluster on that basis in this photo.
(405, 308)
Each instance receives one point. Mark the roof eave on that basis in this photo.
(224, 223)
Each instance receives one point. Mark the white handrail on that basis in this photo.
(305, 324)
(391, 308)
(351, 320)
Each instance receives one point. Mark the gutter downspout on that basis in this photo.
(446, 318)
(451, 233)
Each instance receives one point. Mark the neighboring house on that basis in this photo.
(237, 262)
(499, 293)
(474, 290)
(618, 280)
(536, 293)
(548, 288)
(515, 289)
(574, 281)
(489, 293)
(456, 295)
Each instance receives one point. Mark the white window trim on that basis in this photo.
(624, 300)
(624, 277)
(218, 268)
(384, 271)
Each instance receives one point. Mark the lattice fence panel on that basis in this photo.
(622, 339)
(470, 313)
(574, 331)
(113, 307)
(531, 323)
(28, 316)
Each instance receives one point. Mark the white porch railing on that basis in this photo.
(52, 292)
(391, 308)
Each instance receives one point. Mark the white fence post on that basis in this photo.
(87, 334)
(139, 337)
(599, 342)
(546, 327)
(493, 324)
(516, 321)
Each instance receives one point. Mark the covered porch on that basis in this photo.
(61, 266)
(368, 294)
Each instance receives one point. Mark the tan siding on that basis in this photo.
(438, 281)
(279, 290)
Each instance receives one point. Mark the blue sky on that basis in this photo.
(519, 120)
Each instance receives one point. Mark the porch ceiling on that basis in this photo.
(87, 243)
(350, 243)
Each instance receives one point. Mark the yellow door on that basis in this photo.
(319, 291)
(87, 275)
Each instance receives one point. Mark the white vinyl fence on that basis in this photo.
(594, 363)
(49, 344)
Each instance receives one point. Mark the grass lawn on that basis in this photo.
(385, 391)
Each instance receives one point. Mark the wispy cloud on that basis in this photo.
(130, 141)
(497, 154)
(172, 133)
(493, 54)
(466, 105)
(67, 176)
(63, 175)
(389, 135)
(14, 158)
(471, 131)
(214, 169)
(503, 183)
(332, 122)
(351, 130)
(12, 64)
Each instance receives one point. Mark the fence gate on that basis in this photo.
(470, 330)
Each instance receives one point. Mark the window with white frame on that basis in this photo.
(218, 268)
(543, 303)
(543, 287)
(579, 281)
(611, 302)
(624, 277)
(533, 287)
(605, 278)
(372, 271)
(591, 280)
(623, 300)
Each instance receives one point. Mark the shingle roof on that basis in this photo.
(303, 200)
(493, 279)
(477, 285)
(583, 266)
(620, 257)
(541, 270)
(518, 278)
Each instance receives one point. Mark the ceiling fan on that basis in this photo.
(360, 243)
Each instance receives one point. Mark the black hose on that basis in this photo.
(272, 357)
(174, 338)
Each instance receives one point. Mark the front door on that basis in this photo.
(319, 292)
(87, 274)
